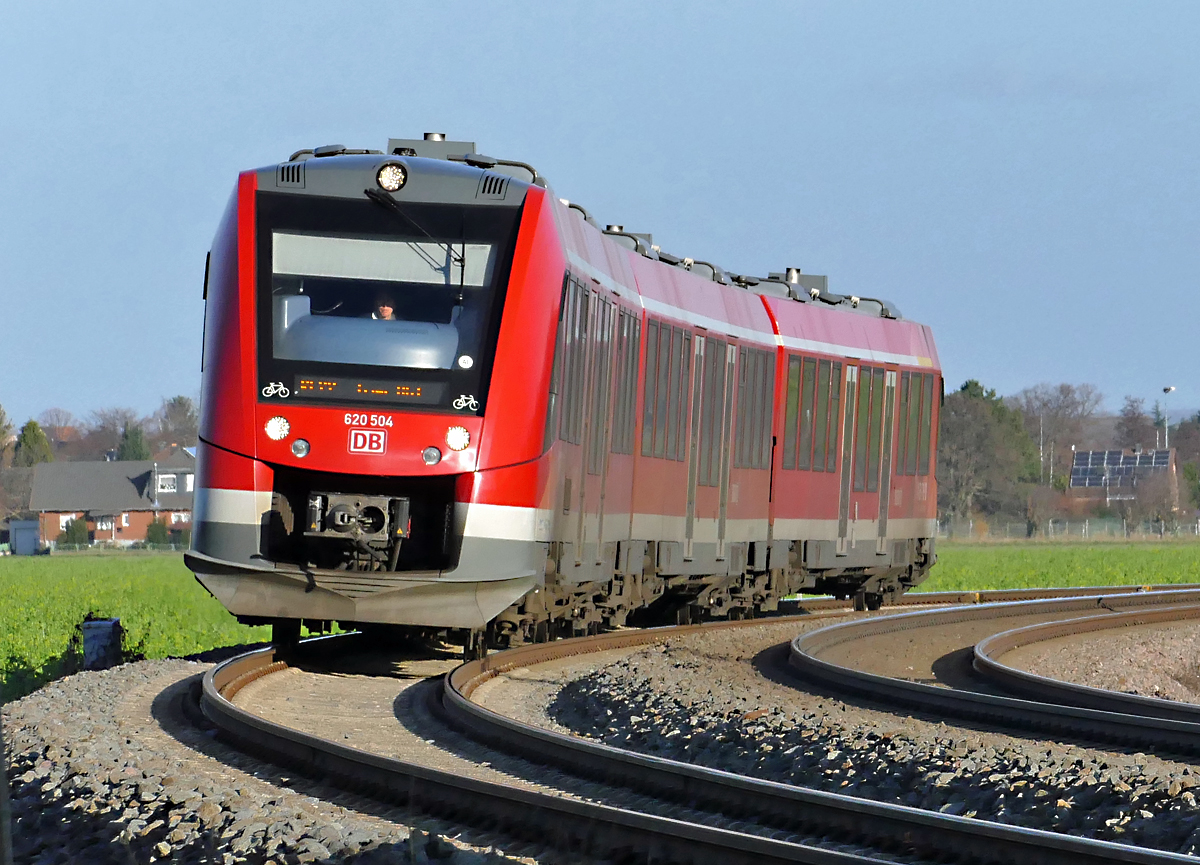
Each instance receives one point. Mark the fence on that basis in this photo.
(1082, 529)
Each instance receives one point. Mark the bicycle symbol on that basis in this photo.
(465, 401)
(276, 388)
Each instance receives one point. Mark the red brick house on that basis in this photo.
(119, 500)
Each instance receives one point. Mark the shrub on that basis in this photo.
(157, 533)
(75, 533)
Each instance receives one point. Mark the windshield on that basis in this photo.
(379, 315)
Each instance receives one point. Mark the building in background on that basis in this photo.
(119, 500)
(1124, 475)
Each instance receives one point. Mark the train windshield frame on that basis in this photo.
(329, 271)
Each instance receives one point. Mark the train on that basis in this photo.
(438, 398)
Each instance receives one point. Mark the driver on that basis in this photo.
(385, 307)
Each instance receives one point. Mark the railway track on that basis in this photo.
(959, 650)
(720, 817)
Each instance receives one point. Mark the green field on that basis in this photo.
(975, 567)
(162, 608)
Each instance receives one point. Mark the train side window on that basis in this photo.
(628, 328)
(914, 423)
(662, 390)
(876, 434)
(791, 412)
(739, 426)
(821, 433)
(601, 387)
(676, 382)
(835, 408)
(926, 423)
(806, 412)
(556, 369)
(684, 378)
(902, 430)
(711, 417)
(862, 417)
(766, 410)
(649, 396)
(573, 354)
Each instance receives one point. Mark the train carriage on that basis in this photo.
(437, 396)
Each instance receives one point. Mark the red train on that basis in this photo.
(435, 395)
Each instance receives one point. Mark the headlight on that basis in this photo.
(392, 176)
(277, 428)
(431, 455)
(300, 447)
(457, 438)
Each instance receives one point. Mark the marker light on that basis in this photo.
(457, 438)
(300, 448)
(432, 456)
(392, 176)
(277, 428)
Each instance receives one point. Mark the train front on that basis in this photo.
(355, 303)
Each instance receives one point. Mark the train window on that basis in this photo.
(756, 381)
(914, 423)
(575, 371)
(766, 411)
(677, 397)
(649, 396)
(926, 423)
(902, 429)
(862, 416)
(821, 434)
(628, 333)
(556, 370)
(684, 376)
(806, 413)
(711, 407)
(791, 412)
(835, 407)
(601, 385)
(739, 434)
(877, 422)
(662, 390)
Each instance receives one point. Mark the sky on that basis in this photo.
(1020, 176)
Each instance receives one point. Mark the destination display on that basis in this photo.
(369, 390)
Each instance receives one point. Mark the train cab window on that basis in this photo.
(926, 423)
(379, 302)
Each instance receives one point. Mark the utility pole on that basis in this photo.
(1041, 451)
(1167, 420)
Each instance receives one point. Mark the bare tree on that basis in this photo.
(1055, 416)
(104, 430)
(6, 433)
(1134, 428)
(178, 422)
(55, 422)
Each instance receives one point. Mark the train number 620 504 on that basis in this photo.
(359, 419)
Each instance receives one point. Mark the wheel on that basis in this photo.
(874, 600)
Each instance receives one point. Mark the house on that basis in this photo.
(118, 499)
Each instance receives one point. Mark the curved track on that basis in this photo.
(825, 827)
(972, 684)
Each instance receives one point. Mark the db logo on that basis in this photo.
(368, 441)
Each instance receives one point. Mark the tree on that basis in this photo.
(6, 431)
(1133, 429)
(32, 446)
(157, 533)
(984, 455)
(133, 444)
(76, 533)
(56, 421)
(1055, 418)
(105, 429)
(178, 422)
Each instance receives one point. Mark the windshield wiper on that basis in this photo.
(385, 200)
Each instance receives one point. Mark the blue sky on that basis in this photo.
(1020, 176)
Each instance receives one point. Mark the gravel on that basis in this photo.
(719, 700)
(1151, 661)
(104, 768)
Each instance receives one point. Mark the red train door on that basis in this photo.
(693, 457)
(597, 429)
(885, 467)
(866, 453)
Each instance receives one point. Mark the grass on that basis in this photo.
(975, 567)
(163, 610)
